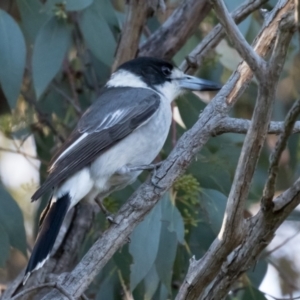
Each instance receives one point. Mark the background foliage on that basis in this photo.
(54, 58)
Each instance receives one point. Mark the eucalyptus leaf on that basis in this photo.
(72, 5)
(52, 6)
(144, 246)
(108, 289)
(166, 255)
(151, 282)
(294, 216)
(11, 220)
(163, 292)
(50, 48)
(12, 57)
(106, 9)
(258, 272)
(32, 17)
(214, 203)
(251, 293)
(172, 215)
(244, 25)
(4, 246)
(97, 35)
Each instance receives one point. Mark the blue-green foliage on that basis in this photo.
(70, 47)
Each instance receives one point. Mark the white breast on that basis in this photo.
(139, 148)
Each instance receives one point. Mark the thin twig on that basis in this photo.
(194, 60)
(71, 79)
(283, 243)
(234, 125)
(287, 196)
(275, 298)
(285, 276)
(255, 62)
(67, 98)
(84, 297)
(17, 151)
(43, 117)
(269, 189)
(173, 128)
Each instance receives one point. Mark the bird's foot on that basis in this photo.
(108, 215)
(150, 167)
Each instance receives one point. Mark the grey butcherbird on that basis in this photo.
(123, 131)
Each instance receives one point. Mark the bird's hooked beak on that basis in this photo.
(197, 84)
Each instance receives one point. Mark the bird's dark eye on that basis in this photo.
(166, 70)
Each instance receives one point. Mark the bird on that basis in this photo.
(116, 138)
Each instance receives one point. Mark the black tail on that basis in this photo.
(51, 223)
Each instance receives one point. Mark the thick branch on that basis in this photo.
(146, 196)
(203, 271)
(138, 11)
(172, 35)
(255, 62)
(65, 254)
(196, 57)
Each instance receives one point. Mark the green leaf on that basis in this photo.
(4, 246)
(109, 286)
(151, 282)
(172, 215)
(97, 35)
(163, 292)
(251, 293)
(66, 5)
(11, 219)
(294, 216)
(166, 255)
(257, 274)
(144, 246)
(49, 51)
(214, 203)
(106, 9)
(72, 5)
(243, 26)
(32, 17)
(12, 57)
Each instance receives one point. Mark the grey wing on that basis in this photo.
(116, 113)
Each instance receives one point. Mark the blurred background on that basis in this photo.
(55, 56)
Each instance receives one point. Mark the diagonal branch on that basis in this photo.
(289, 123)
(172, 35)
(202, 272)
(138, 11)
(196, 57)
(255, 62)
(147, 196)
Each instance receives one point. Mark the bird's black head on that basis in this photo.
(159, 75)
(153, 71)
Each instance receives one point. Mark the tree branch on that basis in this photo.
(138, 11)
(289, 123)
(171, 36)
(43, 117)
(196, 57)
(202, 272)
(241, 126)
(146, 196)
(255, 62)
